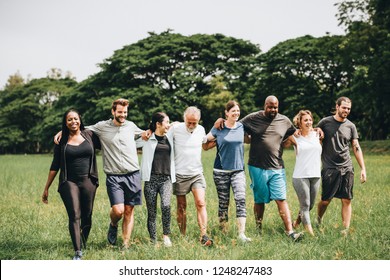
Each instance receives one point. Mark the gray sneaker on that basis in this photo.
(112, 234)
(78, 255)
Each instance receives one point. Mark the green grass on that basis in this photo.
(32, 230)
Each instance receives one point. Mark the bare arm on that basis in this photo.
(289, 141)
(57, 137)
(50, 178)
(210, 143)
(359, 157)
(219, 124)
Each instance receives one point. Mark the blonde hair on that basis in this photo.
(298, 117)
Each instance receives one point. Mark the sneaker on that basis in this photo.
(206, 241)
(296, 236)
(167, 241)
(242, 237)
(112, 234)
(78, 255)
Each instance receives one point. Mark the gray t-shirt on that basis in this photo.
(336, 143)
(118, 146)
(267, 136)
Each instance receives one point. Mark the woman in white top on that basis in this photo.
(307, 171)
(158, 173)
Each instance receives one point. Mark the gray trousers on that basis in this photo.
(307, 190)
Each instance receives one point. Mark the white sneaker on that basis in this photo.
(242, 237)
(167, 241)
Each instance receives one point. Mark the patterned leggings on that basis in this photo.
(223, 181)
(158, 184)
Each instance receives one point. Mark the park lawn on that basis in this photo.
(30, 229)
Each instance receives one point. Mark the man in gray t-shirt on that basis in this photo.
(268, 129)
(337, 170)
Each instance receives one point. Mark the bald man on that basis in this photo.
(267, 130)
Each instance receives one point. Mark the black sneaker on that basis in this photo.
(296, 236)
(112, 234)
(78, 255)
(206, 241)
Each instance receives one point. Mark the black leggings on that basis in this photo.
(78, 198)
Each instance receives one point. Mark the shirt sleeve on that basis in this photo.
(55, 164)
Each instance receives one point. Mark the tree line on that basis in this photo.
(168, 72)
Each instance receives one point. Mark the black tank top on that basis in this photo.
(162, 157)
(78, 160)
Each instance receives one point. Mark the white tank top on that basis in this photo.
(308, 156)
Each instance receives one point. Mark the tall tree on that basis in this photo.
(305, 72)
(23, 110)
(169, 72)
(367, 23)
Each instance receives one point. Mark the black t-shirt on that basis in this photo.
(162, 157)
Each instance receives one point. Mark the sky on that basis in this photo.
(76, 35)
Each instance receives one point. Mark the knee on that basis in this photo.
(200, 203)
(118, 211)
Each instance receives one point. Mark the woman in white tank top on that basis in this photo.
(307, 171)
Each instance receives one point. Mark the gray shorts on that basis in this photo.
(124, 189)
(185, 183)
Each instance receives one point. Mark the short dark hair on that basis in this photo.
(343, 99)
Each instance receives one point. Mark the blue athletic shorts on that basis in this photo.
(124, 189)
(268, 185)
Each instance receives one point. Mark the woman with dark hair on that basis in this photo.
(158, 173)
(228, 170)
(76, 159)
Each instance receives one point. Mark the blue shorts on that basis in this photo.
(124, 189)
(268, 185)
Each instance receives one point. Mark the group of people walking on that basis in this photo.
(171, 164)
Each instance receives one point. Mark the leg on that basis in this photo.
(222, 183)
(181, 213)
(88, 192)
(239, 190)
(302, 189)
(150, 192)
(128, 224)
(200, 203)
(258, 209)
(321, 208)
(284, 213)
(346, 212)
(116, 213)
(70, 195)
(166, 194)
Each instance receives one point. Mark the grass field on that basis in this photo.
(31, 230)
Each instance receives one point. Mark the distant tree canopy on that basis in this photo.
(168, 72)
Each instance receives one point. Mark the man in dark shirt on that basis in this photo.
(337, 170)
(268, 129)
